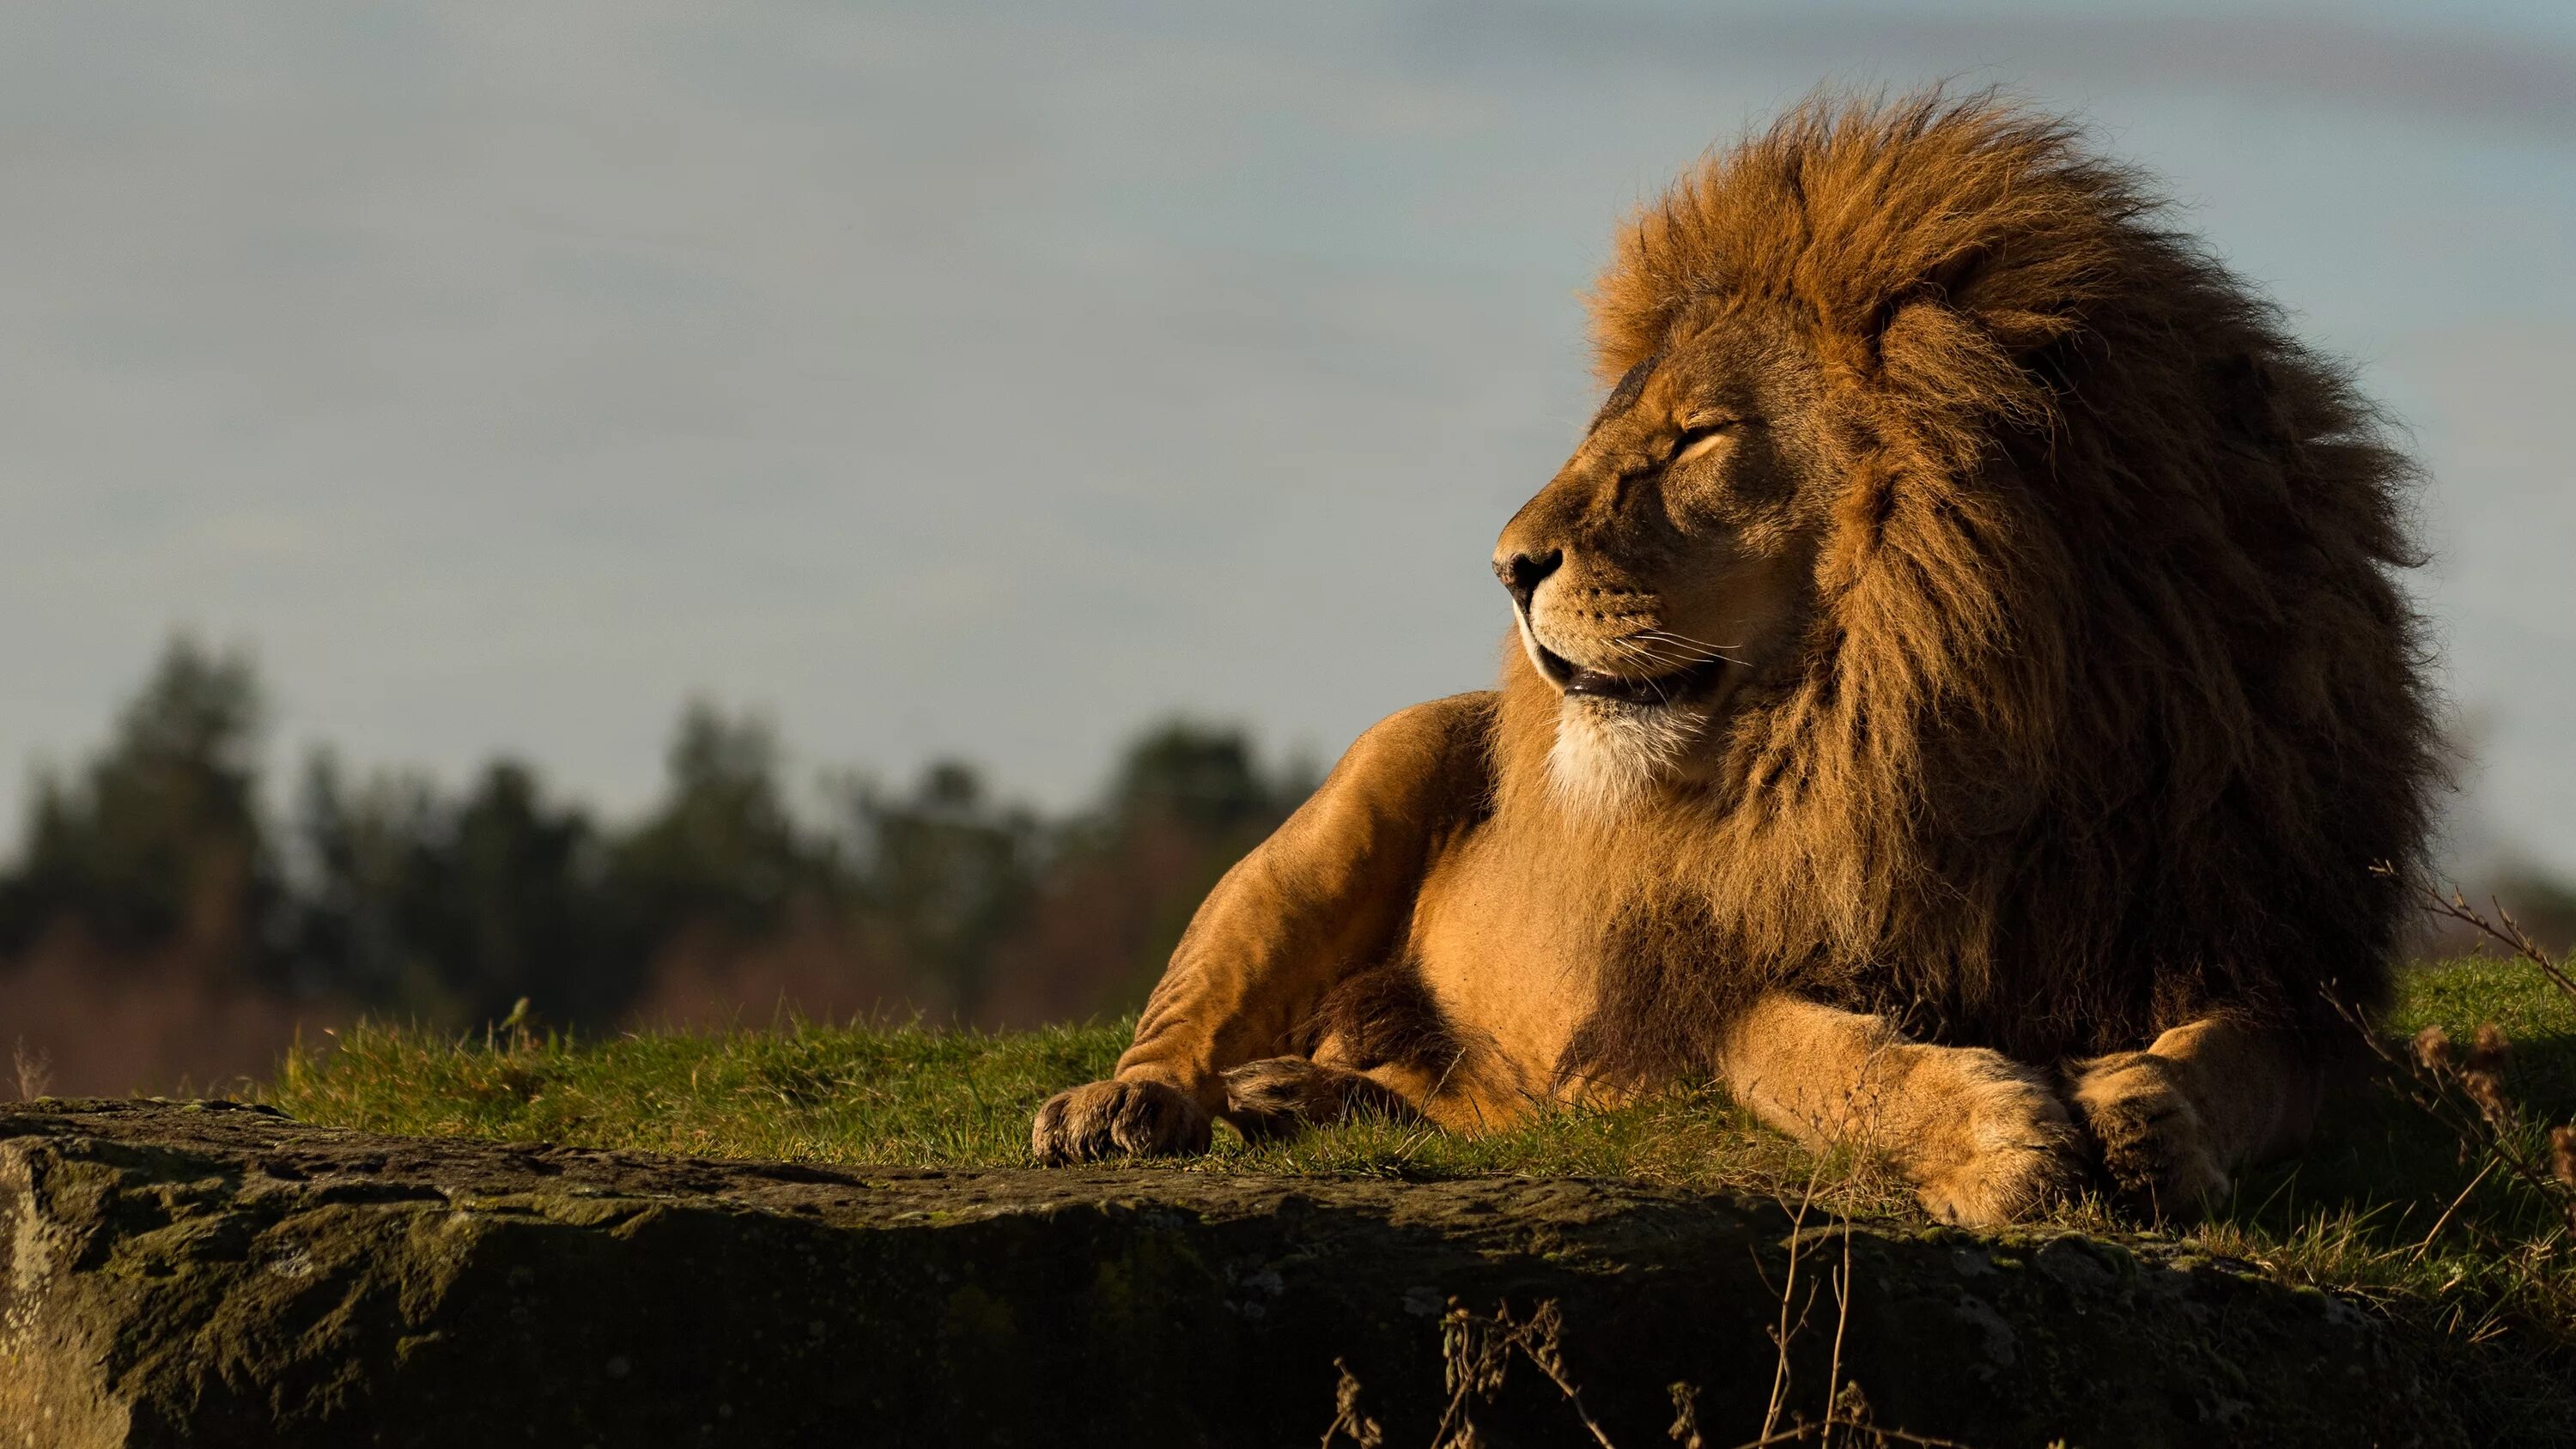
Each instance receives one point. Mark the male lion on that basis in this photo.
(1961, 701)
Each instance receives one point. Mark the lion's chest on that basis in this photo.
(1510, 951)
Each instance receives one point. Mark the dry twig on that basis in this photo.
(1786, 1330)
(1685, 1429)
(2465, 1090)
(2504, 930)
(1477, 1354)
(1348, 1421)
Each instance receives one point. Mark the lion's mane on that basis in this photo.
(2112, 713)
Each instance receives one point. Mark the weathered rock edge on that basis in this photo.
(212, 1275)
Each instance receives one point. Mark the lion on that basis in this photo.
(1960, 697)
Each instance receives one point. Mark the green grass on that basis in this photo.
(903, 1095)
(2358, 1211)
(2387, 1202)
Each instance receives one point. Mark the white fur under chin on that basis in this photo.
(1607, 756)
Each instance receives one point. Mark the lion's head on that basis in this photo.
(1969, 596)
(1672, 561)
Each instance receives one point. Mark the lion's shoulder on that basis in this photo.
(1431, 761)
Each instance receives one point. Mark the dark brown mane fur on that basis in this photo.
(2112, 712)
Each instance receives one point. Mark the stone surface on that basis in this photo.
(214, 1275)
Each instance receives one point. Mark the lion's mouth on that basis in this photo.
(1669, 688)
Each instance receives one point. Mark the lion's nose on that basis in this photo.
(1522, 573)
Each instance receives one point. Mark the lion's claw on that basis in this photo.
(1134, 1117)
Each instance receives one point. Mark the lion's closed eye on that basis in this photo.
(1701, 438)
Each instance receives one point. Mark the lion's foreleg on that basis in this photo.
(1982, 1137)
(2204, 1101)
(1324, 897)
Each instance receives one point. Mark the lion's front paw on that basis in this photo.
(1277, 1096)
(1133, 1117)
(2001, 1148)
(2154, 1142)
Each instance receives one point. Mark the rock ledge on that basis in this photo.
(210, 1274)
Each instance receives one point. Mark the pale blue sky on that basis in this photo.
(985, 380)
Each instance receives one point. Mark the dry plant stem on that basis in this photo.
(1836, 1416)
(1786, 1330)
(2430, 1087)
(1842, 1320)
(1543, 1352)
(1348, 1421)
(2509, 934)
(2444, 1220)
(1799, 1434)
(1685, 1429)
(2431, 1069)
(1477, 1354)
(1855, 1422)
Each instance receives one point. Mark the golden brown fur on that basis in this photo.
(2040, 691)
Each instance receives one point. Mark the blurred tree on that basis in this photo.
(721, 849)
(945, 876)
(158, 840)
(452, 910)
(398, 896)
(365, 864)
(1185, 802)
(1203, 779)
(514, 907)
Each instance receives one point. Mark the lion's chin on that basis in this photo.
(1610, 754)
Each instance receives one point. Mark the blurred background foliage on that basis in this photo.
(169, 921)
(164, 922)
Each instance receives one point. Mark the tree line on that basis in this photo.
(387, 891)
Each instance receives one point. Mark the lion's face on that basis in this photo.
(1671, 561)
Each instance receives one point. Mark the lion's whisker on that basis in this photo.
(1631, 649)
(1652, 649)
(1706, 650)
(1715, 651)
(1659, 654)
(1655, 683)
